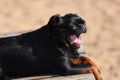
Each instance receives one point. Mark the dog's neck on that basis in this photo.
(73, 53)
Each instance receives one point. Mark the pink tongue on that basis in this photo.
(74, 40)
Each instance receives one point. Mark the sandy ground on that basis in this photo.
(102, 16)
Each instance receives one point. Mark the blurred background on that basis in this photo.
(102, 17)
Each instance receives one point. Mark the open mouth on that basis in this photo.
(74, 41)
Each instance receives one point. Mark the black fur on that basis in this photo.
(42, 51)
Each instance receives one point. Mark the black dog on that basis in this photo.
(44, 51)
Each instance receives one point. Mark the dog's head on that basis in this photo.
(67, 29)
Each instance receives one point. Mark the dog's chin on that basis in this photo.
(75, 47)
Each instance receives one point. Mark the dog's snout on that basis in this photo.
(84, 29)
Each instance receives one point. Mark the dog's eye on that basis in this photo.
(80, 24)
(74, 27)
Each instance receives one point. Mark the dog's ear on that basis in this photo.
(55, 20)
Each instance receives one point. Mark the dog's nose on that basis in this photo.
(84, 29)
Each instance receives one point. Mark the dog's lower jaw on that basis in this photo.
(81, 51)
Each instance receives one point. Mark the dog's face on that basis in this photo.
(67, 29)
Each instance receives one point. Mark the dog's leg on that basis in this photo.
(94, 68)
(96, 73)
